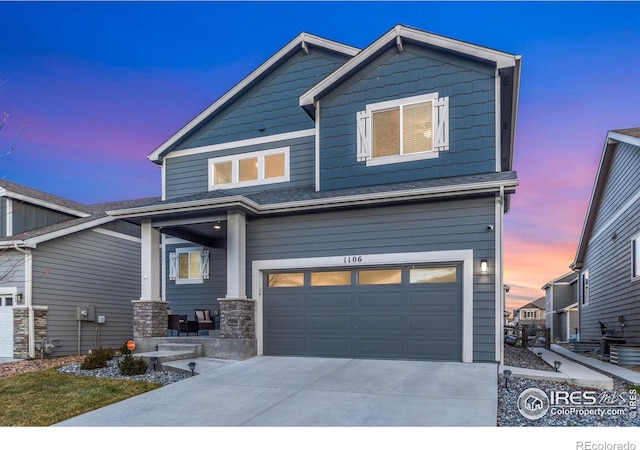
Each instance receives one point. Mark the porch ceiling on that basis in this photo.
(207, 234)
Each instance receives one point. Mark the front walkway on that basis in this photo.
(291, 391)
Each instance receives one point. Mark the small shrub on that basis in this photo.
(97, 359)
(124, 350)
(132, 366)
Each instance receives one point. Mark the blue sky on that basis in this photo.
(101, 85)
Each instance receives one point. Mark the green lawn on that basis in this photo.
(45, 397)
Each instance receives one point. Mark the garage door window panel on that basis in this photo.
(430, 275)
(283, 280)
(339, 278)
(379, 276)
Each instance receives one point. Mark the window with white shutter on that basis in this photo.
(402, 130)
(189, 265)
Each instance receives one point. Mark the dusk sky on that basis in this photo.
(101, 85)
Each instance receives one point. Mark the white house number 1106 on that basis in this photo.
(352, 259)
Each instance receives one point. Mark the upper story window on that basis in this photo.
(407, 129)
(189, 265)
(249, 169)
(635, 258)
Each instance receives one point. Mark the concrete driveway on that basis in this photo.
(289, 391)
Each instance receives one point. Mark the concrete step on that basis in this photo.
(170, 352)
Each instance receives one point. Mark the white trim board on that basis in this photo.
(242, 143)
(447, 256)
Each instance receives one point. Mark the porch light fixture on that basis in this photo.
(556, 365)
(217, 226)
(192, 366)
(154, 360)
(484, 266)
(507, 374)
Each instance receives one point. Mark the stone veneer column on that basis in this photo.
(237, 318)
(21, 329)
(149, 318)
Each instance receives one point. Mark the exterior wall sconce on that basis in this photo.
(19, 298)
(484, 266)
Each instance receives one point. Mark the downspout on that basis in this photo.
(28, 278)
(499, 287)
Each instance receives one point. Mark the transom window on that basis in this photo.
(249, 169)
(403, 130)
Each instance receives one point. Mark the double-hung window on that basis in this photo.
(249, 169)
(407, 129)
(189, 265)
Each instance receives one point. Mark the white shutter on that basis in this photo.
(204, 264)
(173, 266)
(441, 122)
(363, 120)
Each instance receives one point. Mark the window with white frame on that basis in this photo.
(585, 288)
(249, 169)
(635, 258)
(407, 129)
(189, 265)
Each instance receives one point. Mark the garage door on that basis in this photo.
(6, 324)
(391, 313)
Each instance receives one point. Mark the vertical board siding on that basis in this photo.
(189, 174)
(93, 269)
(272, 104)
(28, 217)
(622, 182)
(185, 298)
(437, 226)
(471, 90)
(612, 291)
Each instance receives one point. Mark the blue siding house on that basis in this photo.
(342, 202)
(608, 255)
(58, 259)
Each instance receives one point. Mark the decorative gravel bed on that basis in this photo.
(113, 371)
(510, 416)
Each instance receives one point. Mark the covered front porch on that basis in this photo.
(194, 261)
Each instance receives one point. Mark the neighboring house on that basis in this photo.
(531, 314)
(58, 259)
(562, 307)
(608, 254)
(342, 202)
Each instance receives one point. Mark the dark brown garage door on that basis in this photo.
(388, 313)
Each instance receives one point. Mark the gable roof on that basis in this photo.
(301, 42)
(540, 303)
(87, 216)
(508, 65)
(567, 278)
(614, 137)
(34, 196)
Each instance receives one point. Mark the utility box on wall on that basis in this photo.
(86, 313)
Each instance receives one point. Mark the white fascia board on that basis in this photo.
(501, 59)
(32, 242)
(247, 81)
(43, 203)
(322, 203)
(612, 135)
(242, 143)
(603, 167)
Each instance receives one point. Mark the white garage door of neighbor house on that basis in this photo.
(6, 322)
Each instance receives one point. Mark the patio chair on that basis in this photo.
(204, 319)
(177, 323)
